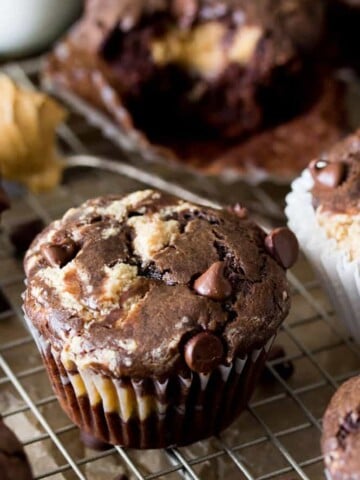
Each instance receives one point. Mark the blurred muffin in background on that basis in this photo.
(182, 71)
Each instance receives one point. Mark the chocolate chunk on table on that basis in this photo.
(22, 234)
(14, 464)
(285, 368)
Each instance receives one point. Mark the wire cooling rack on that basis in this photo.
(277, 437)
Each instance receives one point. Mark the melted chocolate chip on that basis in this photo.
(23, 234)
(213, 284)
(203, 352)
(58, 255)
(282, 244)
(285, 368)
(14, 464)
(350, 425)
(326, 174)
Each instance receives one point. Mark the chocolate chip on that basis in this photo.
(282, 244)
(23, 234)
(121, 477)
(349, 425)
(4, 304)
(326, 174)
(213, 284)
(203, 352)
(91, 442)
(351, 422)
(59, 254)
(4, 200)
(284, 368)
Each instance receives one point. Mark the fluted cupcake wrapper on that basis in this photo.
(339, 276)
(150, 412)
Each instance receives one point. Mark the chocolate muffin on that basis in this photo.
(328, 196)
(13, 461)
(341, 436)
(180, 70)
(154, 315)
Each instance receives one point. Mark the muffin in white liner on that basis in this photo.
(340, 442)
(323, 211)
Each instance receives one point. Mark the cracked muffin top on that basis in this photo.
(341, 437)
(146, 284)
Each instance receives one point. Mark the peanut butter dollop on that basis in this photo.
(28, 120)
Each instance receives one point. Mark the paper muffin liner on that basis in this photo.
(150, 412)
(339, 276)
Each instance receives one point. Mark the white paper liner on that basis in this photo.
(41, 454)
(339, 276)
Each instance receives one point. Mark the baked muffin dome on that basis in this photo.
(154, 316)
(120, 283)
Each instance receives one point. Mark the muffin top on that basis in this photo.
(341, 435)
(13, 461)
(336, 194)
(146, 283)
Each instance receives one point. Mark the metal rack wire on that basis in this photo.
(276, 438)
